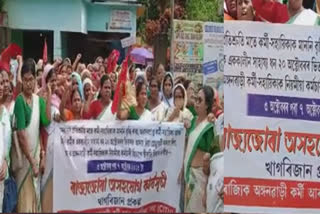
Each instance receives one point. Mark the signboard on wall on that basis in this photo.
(127, 42)
(121, 20)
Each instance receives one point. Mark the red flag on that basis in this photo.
(10, 52)
(122, 80)
(45, 52)
(271, 11)
(112, 60)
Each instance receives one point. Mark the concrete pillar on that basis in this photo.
(57, 45)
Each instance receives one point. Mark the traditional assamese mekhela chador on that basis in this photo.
(30, 113)
(201, 140)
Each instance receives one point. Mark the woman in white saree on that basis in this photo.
(5, 141)
(157, 108)
(301, 16)
(100, 109)
(201, 140)
(49, 78)
(8, 93)
(30, 112)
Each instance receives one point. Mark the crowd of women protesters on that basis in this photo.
(298, 12)
(35, 97)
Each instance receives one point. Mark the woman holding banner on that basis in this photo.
(201, 140)
(30, 113)
(49, 78)
(101, 108)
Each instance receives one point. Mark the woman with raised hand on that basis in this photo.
(75, 111)
(138, 112)
(49, 79)
(30, 112)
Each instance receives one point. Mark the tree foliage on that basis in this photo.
(2, 5)
(162, 23)
(204, 10)
(158, 13)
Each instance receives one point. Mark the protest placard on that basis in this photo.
(272, 114)
(213, 39)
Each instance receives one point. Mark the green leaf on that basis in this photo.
(204, 10)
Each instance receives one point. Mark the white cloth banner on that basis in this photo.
(117, 167)
(215, 184)
(272, 115)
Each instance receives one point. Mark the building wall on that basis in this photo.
(56, 15)
(62, 16)
(99, 15)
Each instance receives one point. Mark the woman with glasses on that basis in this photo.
(201, 140)
(30, 112)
